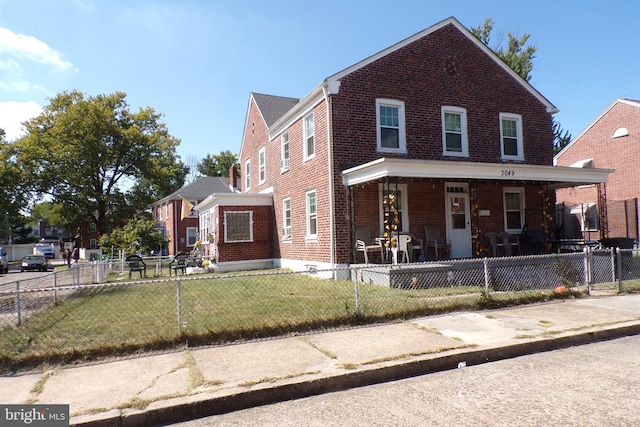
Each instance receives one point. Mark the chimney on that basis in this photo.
(233, 178)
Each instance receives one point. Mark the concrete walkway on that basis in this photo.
(190, 383)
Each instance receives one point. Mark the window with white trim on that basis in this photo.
(192, 236)
(93, 244)
(514, 209)
(511, 143)
(309, 137)
(286, 219)
(166, 211)
(390, 126)
(247, 175)
(312, 215)
(454, 131)
(238, 226)
(284, 152)
(262, 165)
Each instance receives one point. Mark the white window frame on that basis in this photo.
(247, 175)
(226, 226)
(403, 209)
(166, 211)
(262, 166)
(520, 191)
(284, 152)
(311, 217)
(309, 136)
(402, 138)
(286, 219)
(519, 142)
(464, 140)
(192, 236)
(93, 244)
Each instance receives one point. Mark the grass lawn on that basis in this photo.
(121, 318)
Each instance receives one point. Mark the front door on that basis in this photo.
(458, 219)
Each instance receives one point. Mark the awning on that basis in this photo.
(554, 176)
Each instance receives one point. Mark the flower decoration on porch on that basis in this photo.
(547, 217)
(391, 220)
(211, 238)
(198, 244)
(478, 249)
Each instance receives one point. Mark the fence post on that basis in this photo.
(588, 265)
(179, 303)
(357, 295)
(485, 263)
(613, 264)
(619, 270)
(18, 302)
(55, 287)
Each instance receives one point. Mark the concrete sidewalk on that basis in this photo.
(192, 383)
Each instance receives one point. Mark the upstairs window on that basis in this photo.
(284, 152)
(309, 138)
(262, 165)
(454, 132)
(390, 126)
(247, 175)
(511, 145)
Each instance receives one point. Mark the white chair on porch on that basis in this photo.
(365, 244)
(434, 240)
(404, 247)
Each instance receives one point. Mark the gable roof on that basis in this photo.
(630, 102)
(332, 83)
(273, 107)
(199, 189)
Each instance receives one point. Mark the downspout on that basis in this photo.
(332, 242)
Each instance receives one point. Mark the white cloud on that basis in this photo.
(30, 48)
(13, 113)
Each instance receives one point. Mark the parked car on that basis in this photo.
(45, 250)
(4, 262)
(34, 262)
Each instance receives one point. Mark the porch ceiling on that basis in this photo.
(554, 176)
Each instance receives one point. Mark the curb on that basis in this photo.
(253, 398)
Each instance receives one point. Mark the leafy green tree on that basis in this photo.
(48, 212)
(98, 161)
(137, 235)
(519, 58)
(217, 164)
(14, 195)
(21, 233)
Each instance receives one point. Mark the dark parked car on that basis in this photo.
(4, 262)
(34, 262)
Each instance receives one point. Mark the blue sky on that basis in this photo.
(197, 61)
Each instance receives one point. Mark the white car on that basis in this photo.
(4, 262)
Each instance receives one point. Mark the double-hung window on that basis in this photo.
(390, 126)
(192, 236)
(262, 165)
(454, 132)
(312, 215)
(247, 175)
(284, 152)
(513, 209)
(286, 219)
(511, 145)
(309, 138)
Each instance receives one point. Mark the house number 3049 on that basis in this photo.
(508, 173)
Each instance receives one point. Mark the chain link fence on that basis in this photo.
(96, 309)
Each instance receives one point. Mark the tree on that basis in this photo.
(520, 59)
(217, 165)
(48, 212)
(98, 161)
(14, 196)
(138, 235)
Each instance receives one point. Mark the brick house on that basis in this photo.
(436, 122)
(610, 141)
(175, 214)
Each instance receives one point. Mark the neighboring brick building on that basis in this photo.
(611, 141)
(437, 122)
(168, 212)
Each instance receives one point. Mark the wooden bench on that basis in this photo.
(135, 263)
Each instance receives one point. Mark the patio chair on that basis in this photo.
(434, 240)
(179, 263)
(365, 244)
(135, 263)
(404, 247)
(511, 243)
(495, 245)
